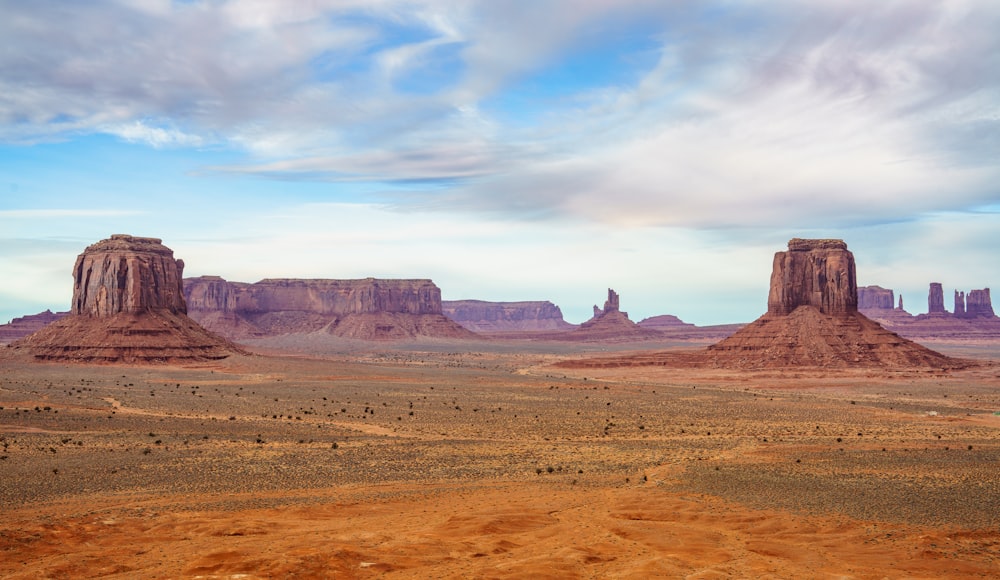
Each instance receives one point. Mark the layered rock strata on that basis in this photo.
(497, 317)
(23, 326)
(364, 309)
(128, 306)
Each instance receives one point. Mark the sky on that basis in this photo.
(515, 150)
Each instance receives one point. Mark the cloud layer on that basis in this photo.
(706, 115)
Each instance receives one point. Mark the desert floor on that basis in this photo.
(481, 460)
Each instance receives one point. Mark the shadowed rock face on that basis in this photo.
(127, 274)
(818, 273)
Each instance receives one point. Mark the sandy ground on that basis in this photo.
(486, 462)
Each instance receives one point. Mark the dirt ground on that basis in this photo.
(483, 461)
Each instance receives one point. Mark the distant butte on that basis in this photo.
(365, 309)
(499, 317)
(21, 327)
(812, 321)
(128, 306)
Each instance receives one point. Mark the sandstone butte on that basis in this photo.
(489, 317)
(128, 306)
(611, 323)
(812, 321)
(368, 309)
(973, 317)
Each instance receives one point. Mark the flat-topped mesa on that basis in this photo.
(127, 274)
(368, 308)
(979, 304)
(818, 273)
(935, 299)
(876, 298)
(318, 296)
(483, 316)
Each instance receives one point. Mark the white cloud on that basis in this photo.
(141, 132)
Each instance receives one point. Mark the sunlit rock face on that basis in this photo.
(127, 274)
(818, 273)
(128, 306)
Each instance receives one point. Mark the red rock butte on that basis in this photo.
(128, 306)
(812, 321)
(366, 309)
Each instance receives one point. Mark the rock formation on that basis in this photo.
(978, 304)
(23, 326)
(876, 303)
(482, 316)
(128, 306)
(935, 299)
(363, 309)
(813, 319)
(959, 304)
(665, 322)
(876, 298)
(611, 324)
(812, 322)
(818, 273)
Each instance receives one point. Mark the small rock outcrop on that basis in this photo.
(368, 309)
(128, 306)
(611, 324)
(489, 317)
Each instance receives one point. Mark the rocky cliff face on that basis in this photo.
(935, 299)
(875, 298)
(369, 308)
(127, 274)
(979, 304)
(128, 306)
(483, 316)
(818, 273)
(327, 297)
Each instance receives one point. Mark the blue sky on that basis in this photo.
(541, 150)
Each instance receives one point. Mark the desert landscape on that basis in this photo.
(810, 443)
(478, 289)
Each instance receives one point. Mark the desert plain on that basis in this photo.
(482, 459)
